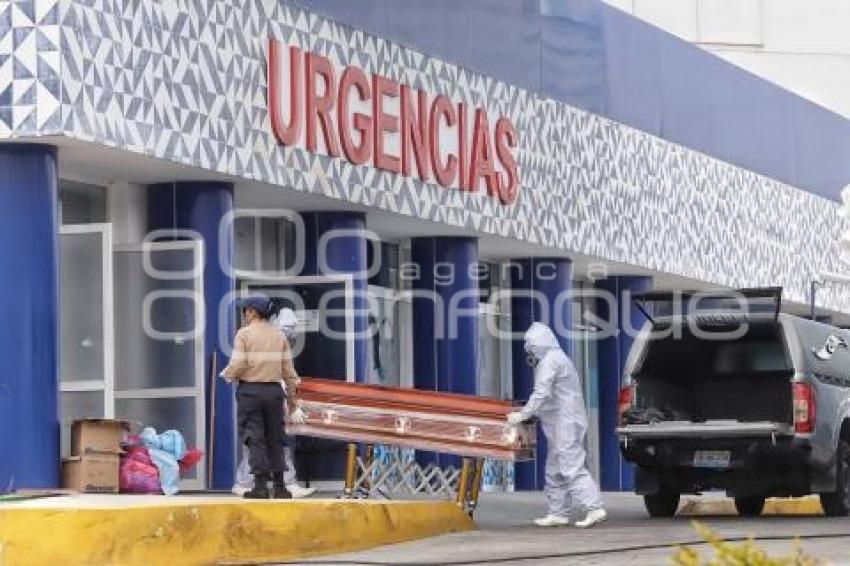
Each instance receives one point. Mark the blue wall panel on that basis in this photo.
(506, 36)
(638, 80)
(821, 148)
(765, 109)
(685, 97)
(572, 53)
(497, 37)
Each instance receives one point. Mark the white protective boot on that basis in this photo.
(299, 492)
(552, 521)
(244, 478)
(592, 518)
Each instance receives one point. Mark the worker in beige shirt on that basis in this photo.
(261, 360)
(286, 322)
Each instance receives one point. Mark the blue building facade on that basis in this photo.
(595, 57)
(569, 145)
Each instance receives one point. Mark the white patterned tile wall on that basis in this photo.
(185, 80)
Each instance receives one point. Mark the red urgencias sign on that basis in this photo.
(311, 103)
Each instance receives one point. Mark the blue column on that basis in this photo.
(29, 421)
(200, 206)
(345, 253)
(325, 356)
(616, 474)
(445, 347)
(547, 278)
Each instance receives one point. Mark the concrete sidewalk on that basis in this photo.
(507, 536)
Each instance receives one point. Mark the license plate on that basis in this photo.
(712, 458)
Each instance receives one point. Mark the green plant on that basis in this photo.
(746, 553)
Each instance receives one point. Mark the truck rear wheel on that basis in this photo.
(662, 504)
(749, 506)
(837, 503)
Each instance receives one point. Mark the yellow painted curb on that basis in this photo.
(721, 507)
(215, 532)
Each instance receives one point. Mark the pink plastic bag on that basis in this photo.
(138, 477)
(139, 454)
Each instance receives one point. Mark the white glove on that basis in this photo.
(298, 416)
(515, 418)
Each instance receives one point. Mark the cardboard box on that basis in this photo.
(91, 473)
(97, 435)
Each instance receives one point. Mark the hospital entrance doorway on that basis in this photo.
(323, 347)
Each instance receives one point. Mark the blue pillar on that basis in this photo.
(616, 474)
(29, 421)
(538, 283)
(200, 206)
(324, 356)
(346, 253)
(445, 347)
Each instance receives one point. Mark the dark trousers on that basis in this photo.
(259, 408)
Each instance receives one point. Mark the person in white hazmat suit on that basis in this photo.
(557, 400)
(286, 322)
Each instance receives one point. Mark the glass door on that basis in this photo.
(494, 380)
(85, 325)
(159, 341)
(386, 349)
(494, 374)
(585, 359)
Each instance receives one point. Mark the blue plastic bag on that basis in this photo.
(166, 450)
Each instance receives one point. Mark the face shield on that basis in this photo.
(287, 322)
(530, 358)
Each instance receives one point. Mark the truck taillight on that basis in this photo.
(805, 409)
(626, 400)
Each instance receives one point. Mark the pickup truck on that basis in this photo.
(763, 412)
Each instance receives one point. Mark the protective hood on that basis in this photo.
(286, 322)
(540, 340)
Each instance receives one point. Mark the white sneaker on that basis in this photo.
(240, 490)
(592, 518)
(552, 521)
(299, 492)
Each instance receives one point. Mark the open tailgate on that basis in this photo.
(709, 429)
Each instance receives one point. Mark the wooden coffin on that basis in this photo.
(464, 425)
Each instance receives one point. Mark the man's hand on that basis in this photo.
(298, 416)
(515, 418)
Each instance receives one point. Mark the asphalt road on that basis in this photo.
(628, 538)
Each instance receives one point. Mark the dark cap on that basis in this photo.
(257, 301)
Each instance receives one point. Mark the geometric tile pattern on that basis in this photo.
(29, 67)
(185, 80)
